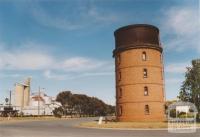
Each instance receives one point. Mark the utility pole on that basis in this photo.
(44, 106)
(39, 102)
(10, 98)
(22, 106)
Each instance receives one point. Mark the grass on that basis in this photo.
(4, 120)
(128, 125)
(94, 124)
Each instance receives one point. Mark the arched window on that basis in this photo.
(119, 76)
(118, 59)
(160, 58)
(145, 73)
(146, 92)
(146, 109)
(144, 56)
(120, 111)
(120, 92)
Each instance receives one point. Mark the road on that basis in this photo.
(68, 128)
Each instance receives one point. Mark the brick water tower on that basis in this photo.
(139, 71)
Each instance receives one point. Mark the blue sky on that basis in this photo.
(67, 45)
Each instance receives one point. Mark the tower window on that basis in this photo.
(119, 76)
(161, 58)
(144, 56)
(120, 111)
(146, 109)
(145, 73)
(120, 92)
(163, 92)
(146, 92)
(118, 59)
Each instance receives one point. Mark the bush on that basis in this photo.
(172, 113)
(198, 117)
(58, 112)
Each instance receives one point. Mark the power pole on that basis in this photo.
(22, 106)
(39, 102)
(10, 98)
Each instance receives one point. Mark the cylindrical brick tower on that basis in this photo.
(139, 73)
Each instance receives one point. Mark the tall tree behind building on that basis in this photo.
(190, 89)
(73, 104)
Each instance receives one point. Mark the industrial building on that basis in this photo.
(140, 94)
(37, 103)
(40, 104)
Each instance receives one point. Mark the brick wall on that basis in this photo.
(130, 85)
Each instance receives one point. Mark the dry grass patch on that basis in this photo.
(4, 120)
(127, 125)
(198, 124)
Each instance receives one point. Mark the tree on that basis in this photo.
(110, 110)
(58, 112)
(64, 98)
(83, 105)
(79, 103)
(190, 89)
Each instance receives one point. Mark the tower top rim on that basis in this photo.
(135, 26)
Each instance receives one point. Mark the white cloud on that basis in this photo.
(81, 16)
(98, 16)
(13, 75)
(66, 76)
(25, 61)
(81, 64)
(184, 21)
(111, 73)
(42, 61)
(49, 75)
(46, 19)
(182, 26)
(52, 66)
(177, 67)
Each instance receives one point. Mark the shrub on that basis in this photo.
(58, 112)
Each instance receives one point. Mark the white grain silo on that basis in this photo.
(22, 94)
(19, 95)
(27, 92)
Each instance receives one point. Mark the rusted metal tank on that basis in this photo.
(137, 36)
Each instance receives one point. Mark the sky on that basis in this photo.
(67, 44)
